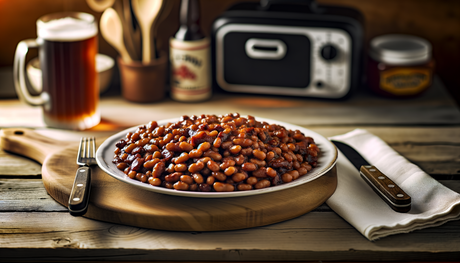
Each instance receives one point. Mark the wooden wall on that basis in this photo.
(436, 20)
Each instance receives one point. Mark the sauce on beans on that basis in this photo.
(215, 153)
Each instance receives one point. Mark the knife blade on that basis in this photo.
(389, 191)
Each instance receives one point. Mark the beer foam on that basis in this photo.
(66, 29)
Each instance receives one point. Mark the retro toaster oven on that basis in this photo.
(288, 47)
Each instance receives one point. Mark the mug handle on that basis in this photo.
(19, 76)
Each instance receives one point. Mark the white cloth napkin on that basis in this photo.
(432, 203)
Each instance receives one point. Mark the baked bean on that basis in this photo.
(230, 170)
(223, 187)
(235, 149)
(185, 146)
(156, 154)
(130, 148)
(262, 184)
(210, 180)
(286, 177)
(295, 174)
(239, 177)
(258, 162)
(132, 174)
(135, 136)
(151, 163)
(179, 185)
(198, 178)
(181, 167)
(249, 167)
(204, 146)
(196, 167)
(182, 158)
(252, 180)
(296, 165)
(299, 158)
(195, 153)
(260, 173)
(246, 151)
(271, 172)
(213, 155)
(213, 166)
(154, 181)
(187, 179)
(306, 165)
(302, 170)
(227, 163)
(171, 168)
(174, 177)
(204, 159)
(239, 160)
(217, 142)
(226, 145)
(244, 187)
(219, 176)
(158, 169)
(287, 157)
(122, 166)
(259, 154)
(142, 142)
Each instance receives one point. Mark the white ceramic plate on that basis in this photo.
(327, 160)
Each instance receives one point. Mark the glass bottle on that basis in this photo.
(400, 66)
(190, 57)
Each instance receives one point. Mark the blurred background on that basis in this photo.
(438, 21)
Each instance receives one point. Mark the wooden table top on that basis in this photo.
(425, 130)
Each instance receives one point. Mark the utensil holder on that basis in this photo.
(143, 83)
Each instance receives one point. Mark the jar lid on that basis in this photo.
(400, 49)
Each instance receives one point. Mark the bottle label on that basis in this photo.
(405, 81)
(190, 69)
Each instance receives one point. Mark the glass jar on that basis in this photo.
(400, 65)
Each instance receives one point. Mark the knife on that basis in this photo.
(390, 192)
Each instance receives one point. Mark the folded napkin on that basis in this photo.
(432, 203)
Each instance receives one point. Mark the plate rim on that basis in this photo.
(109, 144)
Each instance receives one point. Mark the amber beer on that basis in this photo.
(67, 44)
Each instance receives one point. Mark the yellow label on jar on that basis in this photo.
(190, 69)
(405, 81)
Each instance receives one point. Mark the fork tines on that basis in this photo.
(86, 151)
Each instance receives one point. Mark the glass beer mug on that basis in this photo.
(67, 44)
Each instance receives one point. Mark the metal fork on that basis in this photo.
(79, 196)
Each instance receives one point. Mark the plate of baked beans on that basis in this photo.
(216, 156)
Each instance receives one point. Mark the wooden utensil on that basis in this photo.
(112, 30)
(117, 202)
(131, 35)
(147, 12)
(100, 5)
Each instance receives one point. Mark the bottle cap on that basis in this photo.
(400, 49)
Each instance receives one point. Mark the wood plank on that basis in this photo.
(26, 195)
(15, 165)
(323, 236)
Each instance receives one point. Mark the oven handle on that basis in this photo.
(258, 48)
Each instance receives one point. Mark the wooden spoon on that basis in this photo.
(147, 12)
(112, 31)
(100, 5)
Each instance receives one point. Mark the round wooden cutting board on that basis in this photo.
(117, 202)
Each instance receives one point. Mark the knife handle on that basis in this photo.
(390, 192)
(79, 196)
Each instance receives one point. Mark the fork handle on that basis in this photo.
(79, 196)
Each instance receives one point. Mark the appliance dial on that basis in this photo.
(329, 52)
